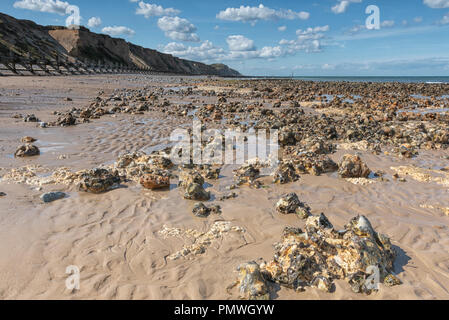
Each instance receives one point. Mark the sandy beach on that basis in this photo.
(115, 237)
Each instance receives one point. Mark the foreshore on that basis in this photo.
(131, 242)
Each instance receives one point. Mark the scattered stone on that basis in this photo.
(232, 195)
(52, 196)
(188, 177)
(351, 166)
(66, 120)
(201, 211)
(2, 194)
(247, 174)
(285, 173)
(153, 181)
(290, 204)
(98, 180)
(31, 118)
(195, 191)
(27, 150)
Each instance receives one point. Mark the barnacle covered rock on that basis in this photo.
(98, 180)
(351, 166)
(27, 150)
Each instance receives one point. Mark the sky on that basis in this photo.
(271, 38)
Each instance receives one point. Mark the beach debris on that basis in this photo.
(251, 282)
(320, 254)
(351, 166)
(98, 180)
(199, 241)
(195, 191)
(28, 139)
(153, 181)
(27, 150)
(290, 204)
(52, 196)
(202, 211)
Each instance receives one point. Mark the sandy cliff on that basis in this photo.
(23, 37)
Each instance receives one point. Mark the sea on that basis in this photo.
(427, 79)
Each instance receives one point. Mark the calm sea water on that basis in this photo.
(379, 79)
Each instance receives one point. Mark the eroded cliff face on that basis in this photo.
(27, 37)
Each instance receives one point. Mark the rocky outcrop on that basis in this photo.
(26, 37)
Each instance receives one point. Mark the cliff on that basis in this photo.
(26, 37)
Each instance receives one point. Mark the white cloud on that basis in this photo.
(240, 43)
(437, 4)
(177, 28)
(328, 66)
(205, 52)
(255, 14)
(445, 19)
(118, 31)
(282, 28)
(308, 40)
(50, 6)
(149, 10)
(341, 6)
(418, 19)
(94, 22)
(387, 24)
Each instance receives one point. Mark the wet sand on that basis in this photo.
(115, 237)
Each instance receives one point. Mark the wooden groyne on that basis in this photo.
(60, 65)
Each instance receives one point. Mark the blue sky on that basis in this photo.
(304, 37)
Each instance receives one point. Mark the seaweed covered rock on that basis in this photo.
(98, 180)
(291, 204)
(27, 150)
(195, 191)
(317, 256)
(154, 181)
(351, 166)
